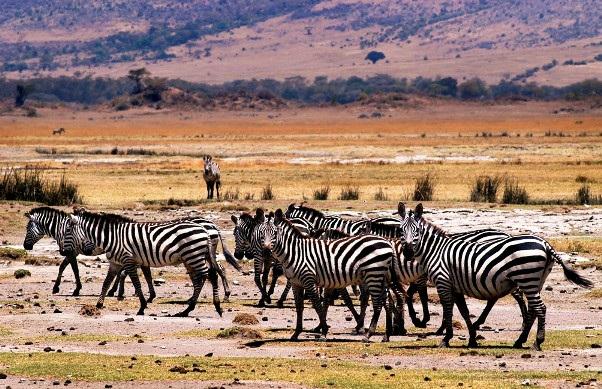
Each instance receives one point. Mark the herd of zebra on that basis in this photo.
(321, 256)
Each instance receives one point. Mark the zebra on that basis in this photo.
(248, 237)
(216, 238)
(52, 222)
(211, 174)
(129, 244)
(485, 271)
(311, 263)
(411, 273)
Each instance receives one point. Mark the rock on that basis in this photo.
(595, 345)
(427, 378)
(209, 355)
(526, 383)
(129, 319)
(178, 369)
(388, 367)
(526, 356)
(102, 343)
(3, 376)
(48, 349)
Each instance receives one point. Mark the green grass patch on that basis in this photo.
(79, 338)
(196, 333)
(12, 253)
(595, 293)
(308, 372)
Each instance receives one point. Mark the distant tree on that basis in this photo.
(448, 86)
(138, 76)
(154, 88)
(375, 56)
(474, 88)
(22, 92)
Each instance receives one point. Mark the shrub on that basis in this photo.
(29, 184)
(424, 188)
(581, 179)
(381, 195)
(182, 202)
(10, 253)
(514, 194)
(249, 196)
(22, 273)
(585, 196)
(31, 112)
(322, 193)
(350, 193)
(485, 189)
(231, 195)
(267, 192)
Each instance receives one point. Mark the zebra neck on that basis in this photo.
(105, 235)
(430, 246)
(54, 226)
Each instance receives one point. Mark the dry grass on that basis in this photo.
(245, 319)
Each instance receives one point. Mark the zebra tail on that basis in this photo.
(228, 255)
(570, 274)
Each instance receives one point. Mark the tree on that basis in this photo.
(22, 92)
(449, 86)
(375, 56)
(475, 88)
(138, 76)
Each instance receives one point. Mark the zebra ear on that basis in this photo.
(278, 216)
(259, 215)
(271, 215)
(291, 206)
(27, 215)
(418, 211)
(401, 209)
(234, 219)
(74, 220)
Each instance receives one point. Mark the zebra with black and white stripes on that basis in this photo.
(211, 175)
(46, 221)
(216, 238)
(485, 271)
(249, 232)
(312, 263)
(129, 244)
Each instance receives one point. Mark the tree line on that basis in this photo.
(95, 90)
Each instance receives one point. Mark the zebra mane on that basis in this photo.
(106, 217)
(311, 211)
(383, 227)
(296, 230)
(49, 210)
(438, 230)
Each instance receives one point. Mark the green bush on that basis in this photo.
(22, 273)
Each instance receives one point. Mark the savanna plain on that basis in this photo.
(147, 164)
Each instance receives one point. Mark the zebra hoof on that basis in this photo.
(110, 293)
(140, 312)
(180, 314)
(261, 304)
(473, 344)
(295, 337)
(55, 290)
(99, 305)
(399, 331)
(536, 347)
(517, 344)
(280, 304)
(444, 344)
(366, 339)
(418, 324)
(226, 299)
(385, 339)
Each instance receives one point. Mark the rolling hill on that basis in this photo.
(550, 42)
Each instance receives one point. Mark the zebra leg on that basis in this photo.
(148, 276)
(364, 296)
(116, 284)
(518, 296)
(75, 269)
(540, 311)
(131, 269)
(398, 328)
(215, 287)
(298, 292)
(277, 271)
(198, 280)
(257, 272)
(379, 298)
(447, 300)
(217, 185)
(113, 270)
(388, 314)
(320, 309)
(222, 274)
(534, 301)
(121, 282)
(424, 299)
(412, 289)
(349, 304)
(472, 332)
(267, 266)
(479, 322)
(282, 298)
(209, 194)
(57, 282)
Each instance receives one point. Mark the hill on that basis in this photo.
(551, 42)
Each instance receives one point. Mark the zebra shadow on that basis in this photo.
(262, 342)
(453, 347)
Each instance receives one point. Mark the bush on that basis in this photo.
(514, 194)
(29, 184)
(322, 193)
(584, 196)
(22, 273)
(381, 195)
(31, 112)
(424, 188)
(581, 179)
(249, 196)
(231, 195)
(350, 193)
(10, 253)
(267, 192)
(485, 189)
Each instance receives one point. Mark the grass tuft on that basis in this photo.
(11, 253)
(322, 193)
(230, 195)
(514, 194)
(350, 193)
(30, 184)
(424, 187)
(22, 273)
(485, 189)
(381, 195)
(267, 193)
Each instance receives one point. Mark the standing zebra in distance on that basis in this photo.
(129, 244)
(216, 238)
(485, 271)
(211, 174)
(311, 263)
(249, 236)
(52, 222)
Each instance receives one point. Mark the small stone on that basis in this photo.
(3, 376)
(427, 378)
(265, 318)
(209, 355)
(526, 356)
(595, 345)
(502, 364)
(56, 383)
(102, 343)
(56, 310)
(129, 319)
(107, 386)
(48, 349)
(388, 367)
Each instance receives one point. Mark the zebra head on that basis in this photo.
(302, 212)
(75, 239)
(412, 229)
(243, 229)
(33, 232)
(208, 161)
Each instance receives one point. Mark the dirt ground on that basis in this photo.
(32, 319)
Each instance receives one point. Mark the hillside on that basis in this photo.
(216, 41)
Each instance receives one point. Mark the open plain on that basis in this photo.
(147, 164)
